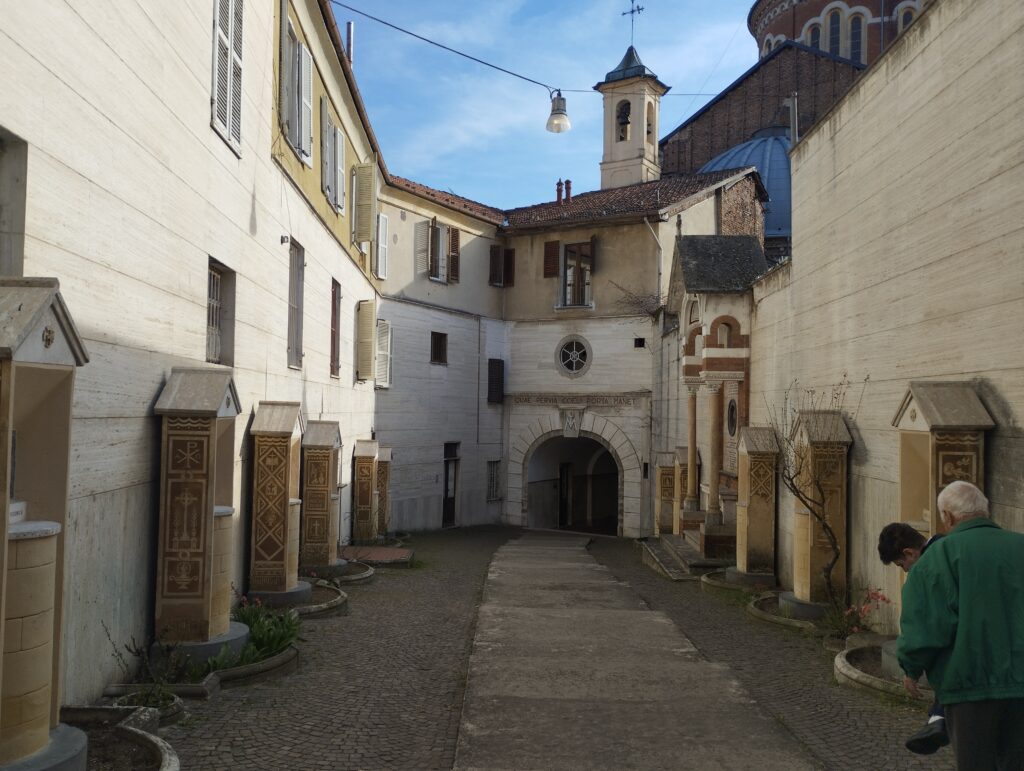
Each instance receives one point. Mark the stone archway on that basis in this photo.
(594, 427)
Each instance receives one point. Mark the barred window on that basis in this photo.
(494, 480)
(438, 348)
(213, 315)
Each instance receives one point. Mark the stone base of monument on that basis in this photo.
(751, 580)
(718, 541)
(299, 595)
(793, 607)
(326, 572)
(199, 651)
(66, 751)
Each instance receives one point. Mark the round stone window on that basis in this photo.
(573, 356)
(733, 417)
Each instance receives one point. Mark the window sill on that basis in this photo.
(235, 148)
(437, 280)
(296, 367)
(440, 363)
(587, 307)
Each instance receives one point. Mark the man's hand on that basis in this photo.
(910, 684)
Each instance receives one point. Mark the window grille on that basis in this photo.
(438, 348)
(213, 316)
(494, 480)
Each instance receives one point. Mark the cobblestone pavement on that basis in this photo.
(788, 674)
(380, 688)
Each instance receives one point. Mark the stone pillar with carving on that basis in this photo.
(692, 502)
(383, 488)
(364, 492)
(755, 507)
(321, 446)
(277, 436)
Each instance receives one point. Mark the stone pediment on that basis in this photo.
(366, 448)
(322, 434)
(278, 419)
(35, 325)
(199, 391)
(758, 440)
(942, 405)
(820, 427)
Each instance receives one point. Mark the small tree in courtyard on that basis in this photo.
(813, 440)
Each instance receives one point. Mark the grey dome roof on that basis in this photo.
(769, 152)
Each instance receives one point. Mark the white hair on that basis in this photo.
(963, 500)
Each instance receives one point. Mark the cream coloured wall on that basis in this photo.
(906, 257)
(129, 192)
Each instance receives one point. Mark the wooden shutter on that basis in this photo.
(335, 329)
(495, 381)
(383, 364)
(306, 102)
(497, 272)
(326, 134)
(236, 73)
(593, 254)
(296, 281)
(510, 268)
(453, 255)
(284, 71)
(222, 64)
(551, 259)
(433, 265)
(381, 267)
(366, 201)
(366, 328)
(339, 169)
(421, 246)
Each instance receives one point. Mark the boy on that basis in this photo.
(902, 545)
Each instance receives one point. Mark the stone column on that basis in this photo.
(691, 503)
(714, 515)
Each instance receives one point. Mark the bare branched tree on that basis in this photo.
(813, 438)
(647, 303)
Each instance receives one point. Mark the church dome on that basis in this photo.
(769, 152)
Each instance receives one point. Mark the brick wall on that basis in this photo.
(755, 103)
(741, 213)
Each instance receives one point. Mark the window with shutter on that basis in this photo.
(578, 269)
(296, 278)
(383, 364)
(495, 381)
(339, 169)
(365, 202)
(335, 328)
(285, 57)
(421, 246)
(496, 275)
(227, 71)
(453, 255)
(438, 256)
(380, 267)
(366, 344)
(305, 105)
(551, 259)
(438, 348)
(509, 273)
(326, 152)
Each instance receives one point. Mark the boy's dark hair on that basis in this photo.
(896, 537)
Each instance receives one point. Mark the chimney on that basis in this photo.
(558, 192)
(350, 39)
(568, 190)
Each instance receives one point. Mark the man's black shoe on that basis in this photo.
(929, 739)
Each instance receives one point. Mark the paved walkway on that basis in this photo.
(383, 688)
(570, 669)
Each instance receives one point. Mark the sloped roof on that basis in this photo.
(199, 391)
(822, 427)
(720, 263)
(946, 405)
(642, 199)
(630, 67)
(277, 419)
(450, 200)
(25, 306)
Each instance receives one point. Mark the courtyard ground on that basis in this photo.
(385, 686)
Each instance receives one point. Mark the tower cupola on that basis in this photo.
(632, 102)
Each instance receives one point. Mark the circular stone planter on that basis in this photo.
(833, 644)
(849, 669)
(766, 608)
(285, 662)
(169, 714)
(132, 725)
(356, 573)
(336, 606)
(717, 582)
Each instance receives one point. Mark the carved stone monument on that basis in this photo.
(364, 492)
(755, 507)
(195, 543)
(383, 485)
(277, 437)
(321, 447)
(39, 351)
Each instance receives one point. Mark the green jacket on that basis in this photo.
(963, 614)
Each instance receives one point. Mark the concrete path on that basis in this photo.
(570, 669)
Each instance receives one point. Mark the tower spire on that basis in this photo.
(632, 13)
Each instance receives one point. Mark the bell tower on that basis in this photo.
(632, 101)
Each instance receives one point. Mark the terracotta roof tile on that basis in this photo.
(640, 199)
(450, 200)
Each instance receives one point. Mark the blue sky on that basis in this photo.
(457, 125)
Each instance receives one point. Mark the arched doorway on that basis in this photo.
(573, 484)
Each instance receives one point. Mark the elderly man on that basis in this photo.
(963, 624)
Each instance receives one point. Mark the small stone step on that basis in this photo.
(662, 561)
(689, 558)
